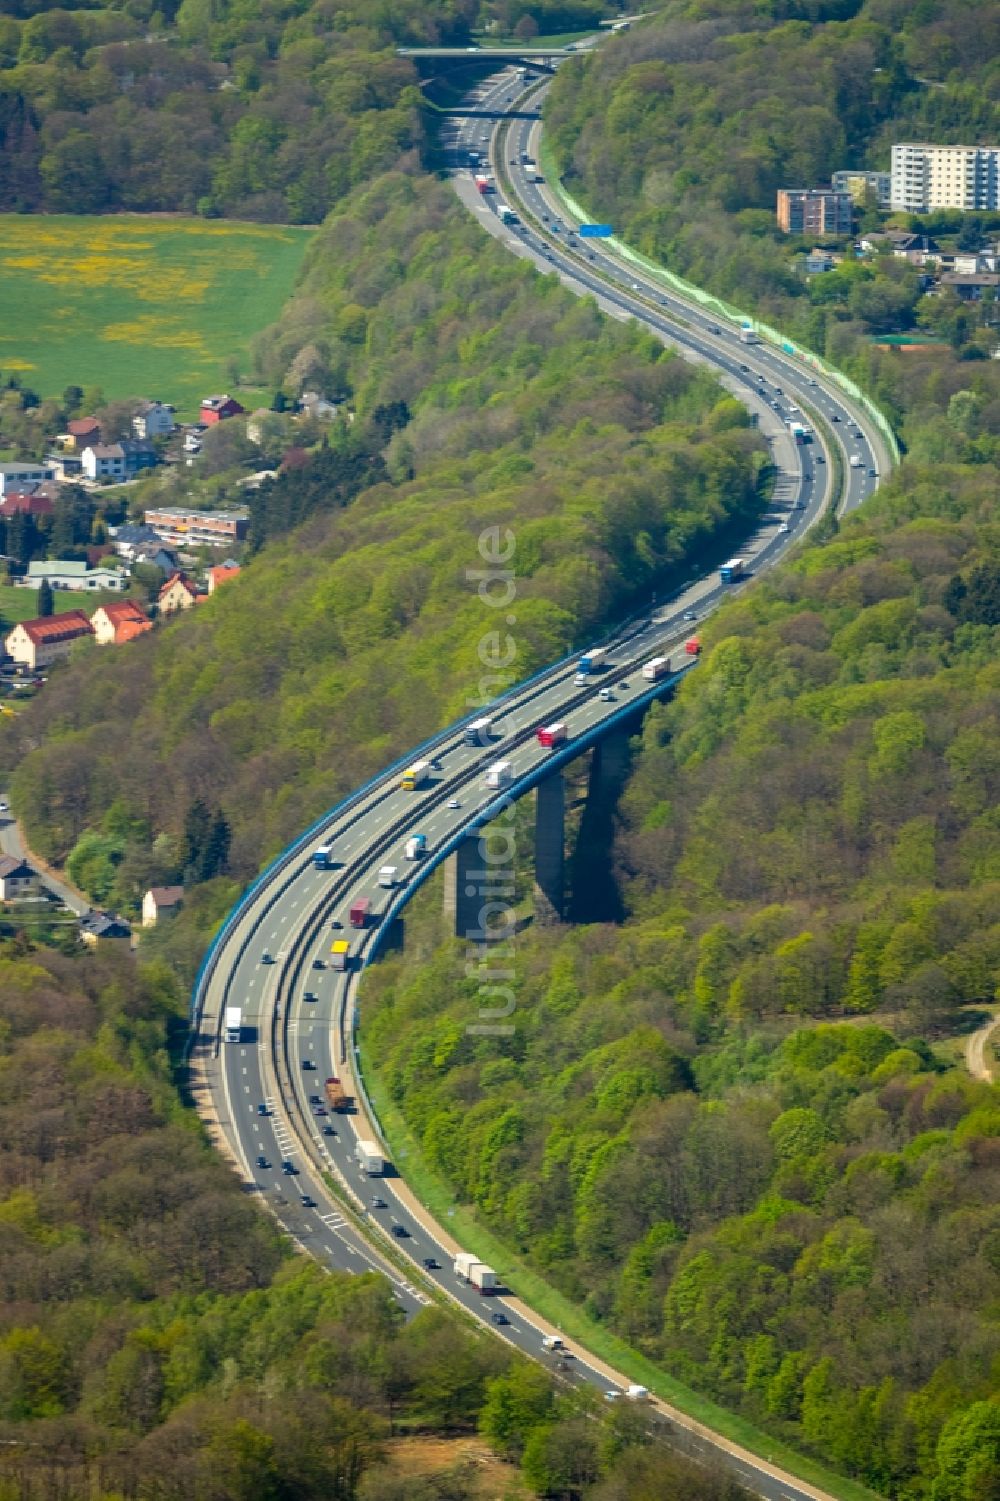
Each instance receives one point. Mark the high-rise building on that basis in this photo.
(864, 187)
(814, 211)
(926, 177)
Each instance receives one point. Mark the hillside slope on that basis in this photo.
(803, 1223)
(487, 397)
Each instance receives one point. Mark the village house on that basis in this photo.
(218, 408)
(70, 574)
(104, 461)
(103, 928)
(312, 404)
(178, 593)
(121, 620)
(221, 574)
(17, 879)
(24, 476)
(158, 557)
(26, 503)
(140, 454)
(153, 419)
(81, 433)
(160, 901)
(67, 467)
(36, 643)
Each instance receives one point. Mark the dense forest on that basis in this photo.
(803, 1223)
(159, 1341)
(224, 106)
(355, 636)
(681, 131)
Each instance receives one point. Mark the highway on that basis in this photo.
(272, 958)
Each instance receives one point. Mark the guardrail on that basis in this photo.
(718, 306)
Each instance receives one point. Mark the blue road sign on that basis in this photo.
(595, 231)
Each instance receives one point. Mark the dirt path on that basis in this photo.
(976, 1060)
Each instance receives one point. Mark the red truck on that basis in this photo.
(552, 735)
(483, 183)
(359, 912)
(692, 646)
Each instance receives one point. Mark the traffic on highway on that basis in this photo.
(281, 982)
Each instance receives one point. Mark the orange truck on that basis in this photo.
(336, 1095)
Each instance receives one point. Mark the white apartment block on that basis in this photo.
(926, 177)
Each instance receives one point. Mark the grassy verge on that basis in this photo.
(138, 306)
(566, 1316)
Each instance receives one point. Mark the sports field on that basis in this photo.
(138, 306)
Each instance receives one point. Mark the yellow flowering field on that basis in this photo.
(138, 306)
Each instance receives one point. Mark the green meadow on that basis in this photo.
(136, 305)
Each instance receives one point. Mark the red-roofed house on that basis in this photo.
(220, 574)
(83, 432)
(217, 408)
(178, 593)
(26, 503)
(119, 621)
(36, 643)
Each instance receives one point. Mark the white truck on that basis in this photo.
(747, 336)
(500, 774)
(463, 1261)
(483, 1278)
(656, 668)
(369, 1155)
(552, 1342)
(416, 846)
(234, 1023)
(636, 1393)
(387, 876)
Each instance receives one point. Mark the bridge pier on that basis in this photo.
(479, 888)
(550, 844)
(611, 761)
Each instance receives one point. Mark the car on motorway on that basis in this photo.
(308, 1064)
(834, 417)
(315, 1099)
(310, 995)
(4, 806)
(714, 328)
(400, 1232)
(432, 1264)
(783, 527)
(289, 1169)
(690, 615)
(453, 802)
(606, 696)
(262, 1161)
(873, 472)
(336, 923)
(377, 1203)
(308, 1202)
(328, 1130)
(819, 459)
(499, 1317)
(319, 964)
(262, 1110)
(745, 369)
(612, 1395)
(266, 958)
(319, 1110)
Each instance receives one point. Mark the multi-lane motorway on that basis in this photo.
(272, 958)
